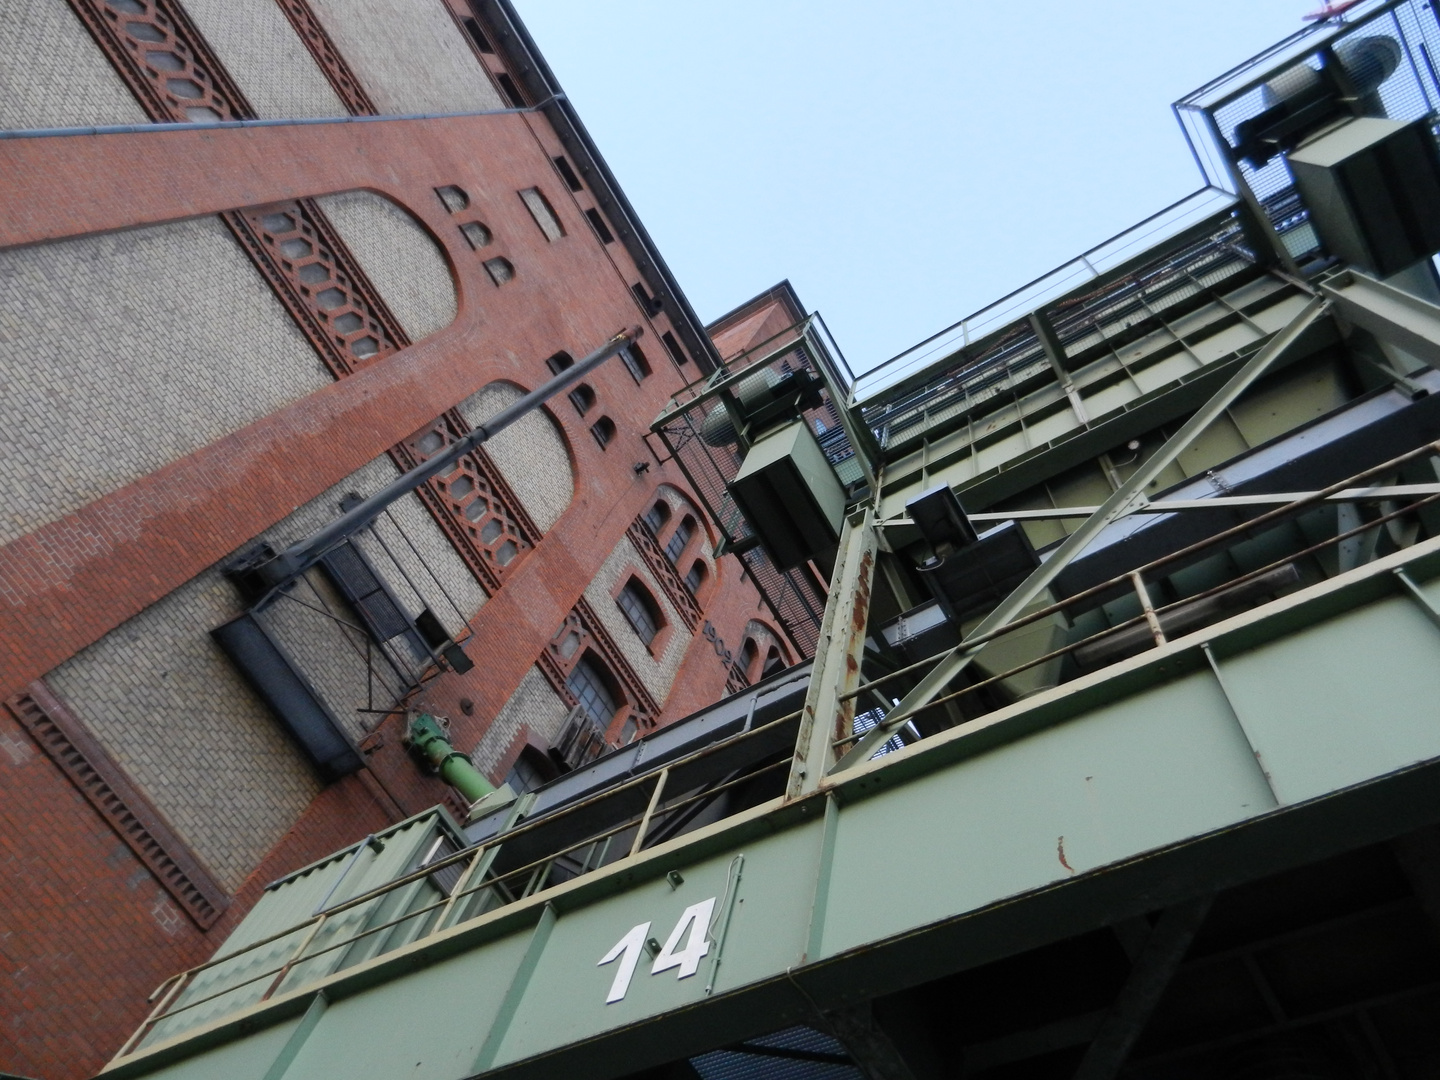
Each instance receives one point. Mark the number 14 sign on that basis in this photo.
(693, 927)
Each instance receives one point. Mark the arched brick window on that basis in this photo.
(641, 610)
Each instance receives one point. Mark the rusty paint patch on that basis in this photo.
(1060, 851)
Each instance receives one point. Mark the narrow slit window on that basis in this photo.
(472, 27)
(510, 90)
(562, 166)
(543, 213)
(651, 305)
(602, 230)
(696, 576)
(673, 348)
(681, 537)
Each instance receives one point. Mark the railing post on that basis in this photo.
(1156, 630)
(294, 958)
(644, 825)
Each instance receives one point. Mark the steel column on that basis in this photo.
(829, 711)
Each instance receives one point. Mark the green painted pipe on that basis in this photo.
(429, 741)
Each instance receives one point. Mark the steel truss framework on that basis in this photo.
(1147, 786)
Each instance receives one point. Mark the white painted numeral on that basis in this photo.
(628, 949)
(696, 921)
(694, 927)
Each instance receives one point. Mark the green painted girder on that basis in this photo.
(1307, 727)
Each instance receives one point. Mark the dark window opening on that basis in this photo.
(562, 166)
(583, 398)
(657, 516)
(604, 431)
(774, 662)
(696, 577)
(749, 653)
(651, 305)
(681, 537)
(673, 348)
(593, 689)
(477, 35)
(635, 362)
(510, 90)
(532, 770)
(601, 229)
(640, 610)
(559, 362)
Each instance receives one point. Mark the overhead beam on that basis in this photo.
(1220, 502)
(1129, 495)
(1391, 314)
(1150, 975)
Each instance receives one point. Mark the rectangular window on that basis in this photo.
(544, 215)
(601, 229)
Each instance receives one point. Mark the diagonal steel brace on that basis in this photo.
(1130, 495)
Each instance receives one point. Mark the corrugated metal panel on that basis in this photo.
(244, 979)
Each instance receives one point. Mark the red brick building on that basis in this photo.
(209, 337)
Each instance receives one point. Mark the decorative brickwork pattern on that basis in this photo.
(328, 57)
(473, 503)
(665, 573)
(583, 629)
(129, 813)
(345, 317)
(319, 282)
(531, 453)
(164, 59)
(400, 257)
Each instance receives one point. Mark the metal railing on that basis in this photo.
(1152, 616)
(478, 891)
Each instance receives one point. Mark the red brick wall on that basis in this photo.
(87, 933)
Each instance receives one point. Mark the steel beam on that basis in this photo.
(1392, 315)
(829, 711)
(1159, 958)
(1123, 502)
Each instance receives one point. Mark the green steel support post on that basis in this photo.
(829, 711)
(429, 741)
(293, 1045)
(1130, 494)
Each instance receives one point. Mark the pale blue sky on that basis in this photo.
(903, 164)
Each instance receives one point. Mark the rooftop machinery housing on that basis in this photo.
(1117, 750)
